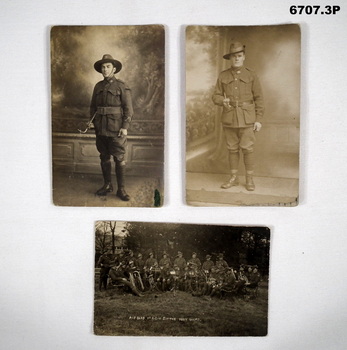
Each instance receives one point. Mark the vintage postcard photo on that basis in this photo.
(167, 279)
(242, 115)
(108, 98)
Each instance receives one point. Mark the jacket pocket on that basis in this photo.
(114, 122)
(249, 113)
(228, 116)
(114, 97)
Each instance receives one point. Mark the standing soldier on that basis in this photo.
(112, 107)
(238, 90)
(105, 262)
(179, 266)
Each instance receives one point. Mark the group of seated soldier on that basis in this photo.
(201, 279)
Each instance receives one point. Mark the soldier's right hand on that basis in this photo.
(226, 102)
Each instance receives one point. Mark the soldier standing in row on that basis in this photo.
(238, 90)
(105, 262)
(112, 107)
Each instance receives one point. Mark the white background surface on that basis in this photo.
(47, 252)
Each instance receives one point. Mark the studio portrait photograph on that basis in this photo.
(108, 98)
(242, 115)
(174, 279)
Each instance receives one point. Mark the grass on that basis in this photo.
(179, 314)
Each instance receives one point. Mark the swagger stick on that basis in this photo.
(89, 125)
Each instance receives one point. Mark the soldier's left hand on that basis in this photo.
(123, 132)
(257, 126)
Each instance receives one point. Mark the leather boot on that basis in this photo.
(106, 173)
(107, 188)
(233, 181)
(249, 183)
(121, 193)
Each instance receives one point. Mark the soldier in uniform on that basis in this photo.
(164, 261)
(208, 264)
(120, 275)
(239, 92)
(179, 266)
(151, 261)
(112, 106)
(140, 263)
(105, 262)
(221, 264)
(254, 279)
(194, 262)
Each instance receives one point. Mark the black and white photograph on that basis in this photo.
(242, 115)
(108, 97)
(174, 279)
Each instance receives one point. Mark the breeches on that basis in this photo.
(111, 146)
(239, 138)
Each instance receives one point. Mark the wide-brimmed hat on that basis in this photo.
(107, 59)
(235, 47)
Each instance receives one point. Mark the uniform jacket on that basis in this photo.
(180, 262)
(195, 262)
(111, 92)
(164, 261)
(254, 278)
(151, 262)
(207, 265)
(221, 264)
(243, 88)
(105, 261)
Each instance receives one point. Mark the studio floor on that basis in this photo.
(78, 190)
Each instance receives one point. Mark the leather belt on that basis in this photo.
(240, 104)
(108, 110)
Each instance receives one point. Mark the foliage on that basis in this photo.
(142, 57)
(200, 114)
(202, 239)
(206, 35)
(105, 236)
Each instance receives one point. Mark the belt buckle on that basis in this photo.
(236, 104)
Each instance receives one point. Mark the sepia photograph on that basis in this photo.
(174, 279)
(242, 115)
(108, 99)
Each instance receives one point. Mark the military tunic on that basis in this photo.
(241, 85)
(111, 101)
(243, 88)
(207, 265)
(195, 262)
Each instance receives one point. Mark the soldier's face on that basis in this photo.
(107, 70)
(237, 59)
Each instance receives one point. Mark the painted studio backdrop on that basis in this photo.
(273, 52)
(74, 50)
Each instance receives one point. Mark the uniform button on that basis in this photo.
(235, 87)
(235, 78)
(238, 72)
